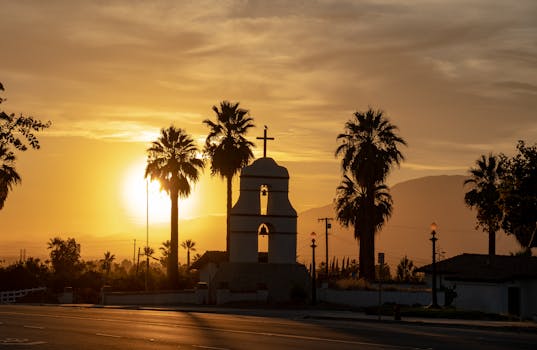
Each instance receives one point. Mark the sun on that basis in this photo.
(136, 199)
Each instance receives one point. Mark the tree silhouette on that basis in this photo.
(484, 196)
(172, 160)
(106, 262)
(352, 209)
(227, 147)
(519, 195)
(189, 245)
(18, 132)
(8, 175)
(165, 249)
(65, 259)
(368, 150)
(406, 271)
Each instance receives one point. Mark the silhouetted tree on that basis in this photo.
(8, 175)
(196, 257)
(106, 262)
(19, 132)
(65, 260)
(519, 195)
(369, 148)
(353, 209)
(406, 271)
(165, 249)
(227, 147)
(172, 160)
(484, 196)
(189, 245)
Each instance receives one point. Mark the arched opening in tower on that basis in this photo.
(262, 238)
(263, 199)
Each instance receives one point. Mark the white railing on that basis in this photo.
(11, 296)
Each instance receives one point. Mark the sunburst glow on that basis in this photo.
(135, 196)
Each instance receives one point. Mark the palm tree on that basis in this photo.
(189, 245)
(172, 160)
(485, 196)
(165, 250)
(352, 210)
(227, 147)
(8, 175)
(369, 149)
(106, 262)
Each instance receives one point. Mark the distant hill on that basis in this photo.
(417, 203)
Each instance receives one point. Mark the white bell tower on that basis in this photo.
(263, 208)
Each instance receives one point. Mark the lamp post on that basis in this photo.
(434, 239)
(313, 273)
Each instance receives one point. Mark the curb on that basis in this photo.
(507, 328)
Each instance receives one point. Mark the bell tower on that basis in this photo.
(263, 208)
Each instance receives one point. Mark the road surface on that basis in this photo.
(55, 327)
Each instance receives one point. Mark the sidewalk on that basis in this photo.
(337, 315)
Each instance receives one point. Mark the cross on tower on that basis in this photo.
(265, 139)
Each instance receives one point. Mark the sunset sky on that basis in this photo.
(459, 79)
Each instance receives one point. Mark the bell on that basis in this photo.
(264, 192)
(263, 231)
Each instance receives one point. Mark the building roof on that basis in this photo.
(217, 257)
(265, 167)
(210, 256)
(483, 268)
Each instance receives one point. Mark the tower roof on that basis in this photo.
(265, 167)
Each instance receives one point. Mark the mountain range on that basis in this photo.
(416, 204)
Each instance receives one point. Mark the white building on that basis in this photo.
(262, 210)
(497, 284)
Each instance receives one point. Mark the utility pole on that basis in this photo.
(327, 225)
(146, 233)
(134, 254)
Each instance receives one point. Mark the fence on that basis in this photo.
(11, 296)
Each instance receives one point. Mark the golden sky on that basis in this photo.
(459, 78)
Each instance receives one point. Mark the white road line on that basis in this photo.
(20, 341)
(34, 327)
(280, 335)
(108, 335)
(209, 347)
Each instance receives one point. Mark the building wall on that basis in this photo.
(486, 297)
(155, 298)
(528, 299)
(365, 298)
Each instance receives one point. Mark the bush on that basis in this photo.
(352, 284)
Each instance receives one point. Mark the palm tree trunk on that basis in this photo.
(173, 261)
(367, 240)
(228, 212)
(492, 243)
(188, 260)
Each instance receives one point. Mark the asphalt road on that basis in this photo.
(54, 327)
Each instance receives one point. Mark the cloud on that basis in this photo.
(458, 72)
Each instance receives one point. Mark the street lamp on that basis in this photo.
(434, 239)
(313, 282)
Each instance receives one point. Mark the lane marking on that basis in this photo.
(34, 327)
(209, 347)
(108, 335)
(20, 341)
(280, 335)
